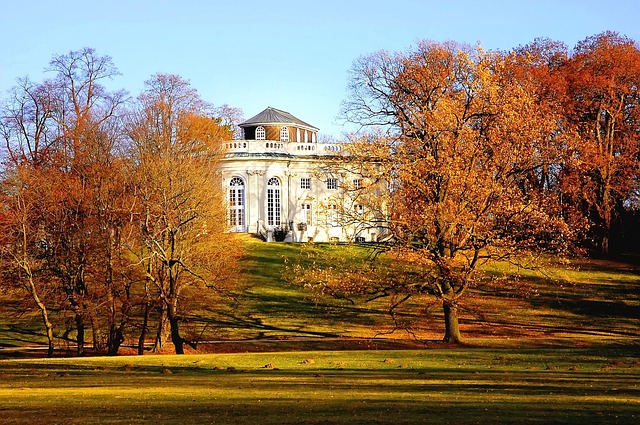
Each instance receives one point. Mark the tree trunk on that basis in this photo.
(606, 232)
(604, 245)
(177, 340)
(145, 329)
(174, 323)
(49, 331)
(45, 315)
(95, 332)
(451, 328)
(116, 338)
(80, 338)
(49, 338)
(161, 335)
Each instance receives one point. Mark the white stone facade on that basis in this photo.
(280, 188)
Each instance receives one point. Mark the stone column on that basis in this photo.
(255, 199)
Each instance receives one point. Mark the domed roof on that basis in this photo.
(272, 116)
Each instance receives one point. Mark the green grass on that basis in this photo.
(561, 347)
(581, 302)
(437, 386)
(584, 302)
(269, 307)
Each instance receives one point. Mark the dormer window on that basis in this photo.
(261, 134)
(284, 134)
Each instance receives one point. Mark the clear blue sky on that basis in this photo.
(292, 55)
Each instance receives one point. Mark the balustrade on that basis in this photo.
(293, 148)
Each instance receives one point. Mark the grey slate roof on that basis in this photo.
(275, 116)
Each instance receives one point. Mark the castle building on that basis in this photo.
(277, 185)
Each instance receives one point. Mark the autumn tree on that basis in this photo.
(462, 133)
(86, 116)
(59, 138)
(22, 249)
(26, 136)
(183, 244)
(603, 111)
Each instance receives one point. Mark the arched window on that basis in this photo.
(273, 202)
(236, 205)
(284, 134)
(261, 134)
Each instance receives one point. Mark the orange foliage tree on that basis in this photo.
(603, 115)
(99, 220)
(464, 132)
(182, 246)
(59, 143)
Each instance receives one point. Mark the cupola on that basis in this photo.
(277, 125)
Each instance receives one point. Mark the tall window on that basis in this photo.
(357, 184)
(332, 184)
(306, 214)
(261, 134)
(236, 204)
(284, 134)
(273, 202)
(305, 183)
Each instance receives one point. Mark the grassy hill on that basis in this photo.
(578, 302)
(583, 302)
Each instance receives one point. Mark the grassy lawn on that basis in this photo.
(435, 386)
(562, 346)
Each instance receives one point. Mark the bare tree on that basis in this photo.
(181, 215)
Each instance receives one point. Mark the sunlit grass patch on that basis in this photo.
(465, 386)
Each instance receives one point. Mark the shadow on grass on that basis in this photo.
(592, 308)
(257, 325)
(434, 395)
(15, 336)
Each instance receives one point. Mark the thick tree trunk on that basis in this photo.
(451, 327)
(80, 339)
(604, 245)
(95, 332)
(116, 338)
(177, 340)
(49, 330)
